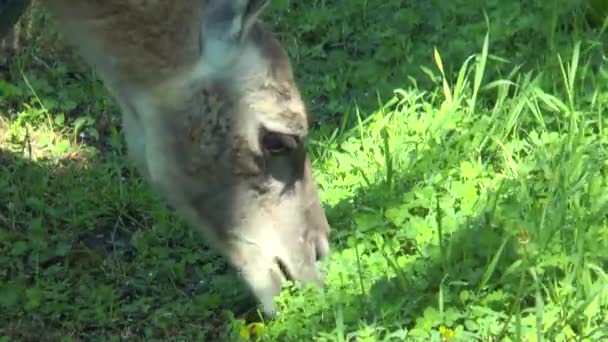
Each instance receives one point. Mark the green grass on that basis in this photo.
(462, 155)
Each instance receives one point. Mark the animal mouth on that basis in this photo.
(284, 269)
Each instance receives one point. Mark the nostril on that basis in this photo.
(283, 268)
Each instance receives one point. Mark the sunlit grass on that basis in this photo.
(496, 226)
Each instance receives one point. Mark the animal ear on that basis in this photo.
(225, 25)
(253, 11)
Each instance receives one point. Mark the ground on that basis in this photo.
(462, 156)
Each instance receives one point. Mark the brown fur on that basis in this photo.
(140, 35)
(195, 106)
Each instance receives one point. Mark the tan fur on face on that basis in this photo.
(194, 122)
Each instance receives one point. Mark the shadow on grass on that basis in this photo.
(87, 250)
(392, 44)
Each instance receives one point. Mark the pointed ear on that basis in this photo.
(225, 25)
(253, 11)
(231, 20)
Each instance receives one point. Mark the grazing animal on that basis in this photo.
(214, 120)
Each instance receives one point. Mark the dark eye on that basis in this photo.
(277, 143)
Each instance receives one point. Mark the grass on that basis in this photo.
(462, 155)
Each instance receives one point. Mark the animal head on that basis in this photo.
(259, 197)
(213, 118)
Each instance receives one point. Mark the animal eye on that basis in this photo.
(277, 143)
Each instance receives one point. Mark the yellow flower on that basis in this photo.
(252, 330)
(447, 334)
